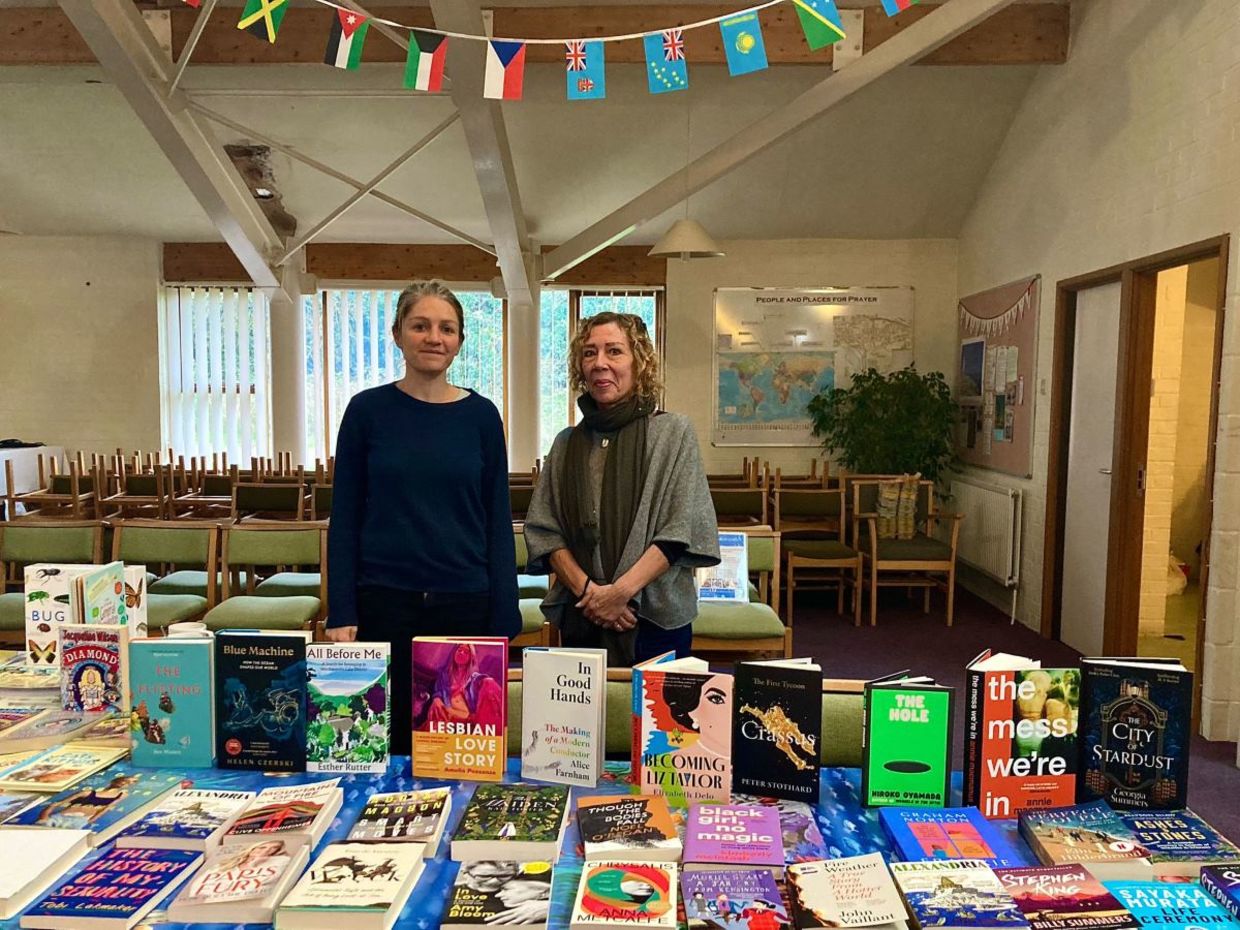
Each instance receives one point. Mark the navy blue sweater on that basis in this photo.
(420, 503)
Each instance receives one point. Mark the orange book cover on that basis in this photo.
(460, 711)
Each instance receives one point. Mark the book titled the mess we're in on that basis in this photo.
(260, 700)
(563, 714)
(460, 707)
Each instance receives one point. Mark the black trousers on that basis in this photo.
(389, 615)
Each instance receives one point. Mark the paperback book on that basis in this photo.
(686, 732)
(347, 710)
(1065, 897)
(614, 895)
(956, 894)
(57, 769)
(635, 828)
(735, 899)
(1087, 834)
(919, 833)
(509, 894)
(13, 803)
(105, 803)
(1172, 905)
(460, 708)
(353, 885)
(516, 822)
(777, 729)
(47, 730)
(44, 857)
(1222, 882)
(291, 812)
(111, 730)
(47, 591)
(172, 721)
(907, 743)
(1136, 727)
(637, 711)
(404, 817)
(33, 685)
(94, 668)
(98, 595)
(727, 582)
(852, 892)
(260, 700)
(1021, 750)
(240, 884)
(1179, 842)
(803, 841)
(732, 835)
(13, 715)
(190, 818)
(563, 714)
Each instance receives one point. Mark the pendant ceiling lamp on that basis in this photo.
(686, 239)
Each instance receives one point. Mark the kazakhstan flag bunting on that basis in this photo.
(893, 7)
(742, 43)
(820, 21)
(666, 68)
(584, 70)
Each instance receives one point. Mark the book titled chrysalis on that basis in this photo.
(260, 700)
(686, 732)
(615, 894)
(777, 729)
(460, 707)
(94, 668)
(347, 712)
(907, 743)
(172, 718)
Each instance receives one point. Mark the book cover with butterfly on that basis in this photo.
(47, 592)
(172, 716)
(94, 668)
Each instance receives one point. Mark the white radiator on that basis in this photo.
(990, 531)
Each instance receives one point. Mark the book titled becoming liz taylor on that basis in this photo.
(347, 707)
(686, 732)
(460, 708)
(777, 729)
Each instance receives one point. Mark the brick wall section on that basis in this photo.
(1130, 148)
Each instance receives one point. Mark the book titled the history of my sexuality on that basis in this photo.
(94, 668)
(777, 729)
(260, 700)
(1065, 897)
(172, 714)
(1172, 905)
(1021, 746)
(686, 732)
(518, 822)
(919, 833)
(906, 742)
(563, 714)
(460, 708)
(1135, 731)
(347, 710)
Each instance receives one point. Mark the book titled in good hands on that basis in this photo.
(358, 886)
(1065, 897)
(955, 894)
(240, 884)
(853, 892)
(260, 700)
(347, 711)
(777, 729)
(907, 743)
(733, 899)
(518, 822)
(733, 835)
(616, 895)
(460, 708)
(686, 732)
(635, 828)
(563, 714)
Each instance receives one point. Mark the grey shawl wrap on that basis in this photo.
(675, 506)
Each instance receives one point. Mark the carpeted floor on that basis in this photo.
(907, 638)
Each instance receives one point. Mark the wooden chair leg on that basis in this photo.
(856, 593)
(792, 586)
(839, 593)
(873, 593)
(951, 593)
(925, 600)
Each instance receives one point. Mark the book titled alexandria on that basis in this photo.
(190, 818)
(1179, 842)
(733, 835)
(347, 710)
(955, 893)
(1136, 726)
(94, 668)
(404, 817)
(518, 822)
(614, 895)
(686, 732)
(460, 708)
(1021, 750)
(635, 828)
(777, 729)
(919, 833)
(172, 716)
(907, 742)
(1223, 884)
(563, 714)
(260, 700)
(856, 891)
(353, 885)
(1088, 834)
(1172, 905)
(240, 884)
(735, 899)
(1065, 897)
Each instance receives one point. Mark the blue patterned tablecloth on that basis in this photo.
(848, 828)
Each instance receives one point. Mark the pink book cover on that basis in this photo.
(734, 834)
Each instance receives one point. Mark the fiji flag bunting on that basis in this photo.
(505, 70)
(742, 43)
(584, 70)
(897, 6)
(666, 69)
(820, 21)
(424, 65)
(262, 18)
(344, 45)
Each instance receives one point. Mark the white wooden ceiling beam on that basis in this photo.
(911, 44)
(142, 72)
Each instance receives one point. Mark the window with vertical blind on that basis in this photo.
(349, 347)
(216, 363)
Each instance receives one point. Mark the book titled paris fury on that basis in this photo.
(460, 708)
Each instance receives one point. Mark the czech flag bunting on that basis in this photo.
(505, 70)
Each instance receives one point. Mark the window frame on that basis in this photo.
(575, 294)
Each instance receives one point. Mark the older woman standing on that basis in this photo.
(622, 513)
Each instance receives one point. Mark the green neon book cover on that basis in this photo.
(907, 743)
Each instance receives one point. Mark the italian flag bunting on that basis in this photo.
(344, 45)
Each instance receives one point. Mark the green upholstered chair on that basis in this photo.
(811, 523)
(740, 506)
(185, 594)
(752, 629)
(320, 502)
(264, 545)
(535, 630)
(30, 540)
(528, 585)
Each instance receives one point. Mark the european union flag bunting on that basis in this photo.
(584, 70)
(666, 68)
(742, 43)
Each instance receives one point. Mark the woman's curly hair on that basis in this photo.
(646, 381)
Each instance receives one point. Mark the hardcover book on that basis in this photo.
(135, 601)
(98, 595)
(1021, 750)
(460, 709)
(347, 707)
(637, 707)
(45, 856)
(94, 668)
(919, 833)
(13, 803)
(563, 714)
(404, 817)
(290, 812)
(1172, 905)
(57, 769)
(353, 885)
(907, 743)
(633, 828)
(172, 718)
(116, 890)
(686, 732)
(1222, 882)
(803, 840)
(111, 730)
(852, 892)
(260, 700)
(955, 893)
(240, 884)
(1065, 897)
(509, 894)
(777, 729)
(613, 895)
(736, 899)
(731, 835)
(1136, 727)
(106, 803)
(517, 822)
(190, 818)
(1088, 834)
(47, 609)
(1179, 842)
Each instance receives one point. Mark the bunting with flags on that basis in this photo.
(742, 43)
(424, 63)
(262, 18)
(194, 3)
(820, 21)
(666, 69)
(892, 7)
(584, 69)
(505, 72)
(344, 45)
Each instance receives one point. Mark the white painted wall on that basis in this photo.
(1130, 148)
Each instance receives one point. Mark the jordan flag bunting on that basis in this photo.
(897, 6)
(666, 69)
(820, 21)
(262, 18)
(424, 66)
(344, 45)
(505, 70)
(584, 69)
(742, 43)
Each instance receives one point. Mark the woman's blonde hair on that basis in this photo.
(646, 382)
(410, 296)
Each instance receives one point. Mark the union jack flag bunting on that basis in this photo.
(575, 55)
(584, 69)
(673, 45)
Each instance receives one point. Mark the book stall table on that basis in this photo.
(847, 828)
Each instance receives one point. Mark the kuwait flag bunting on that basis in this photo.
(344, 45)
(897, 6)
(820, 21)
(262, 18)
(424, 66)
(505, 70)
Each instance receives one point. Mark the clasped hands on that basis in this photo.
(607, 605)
